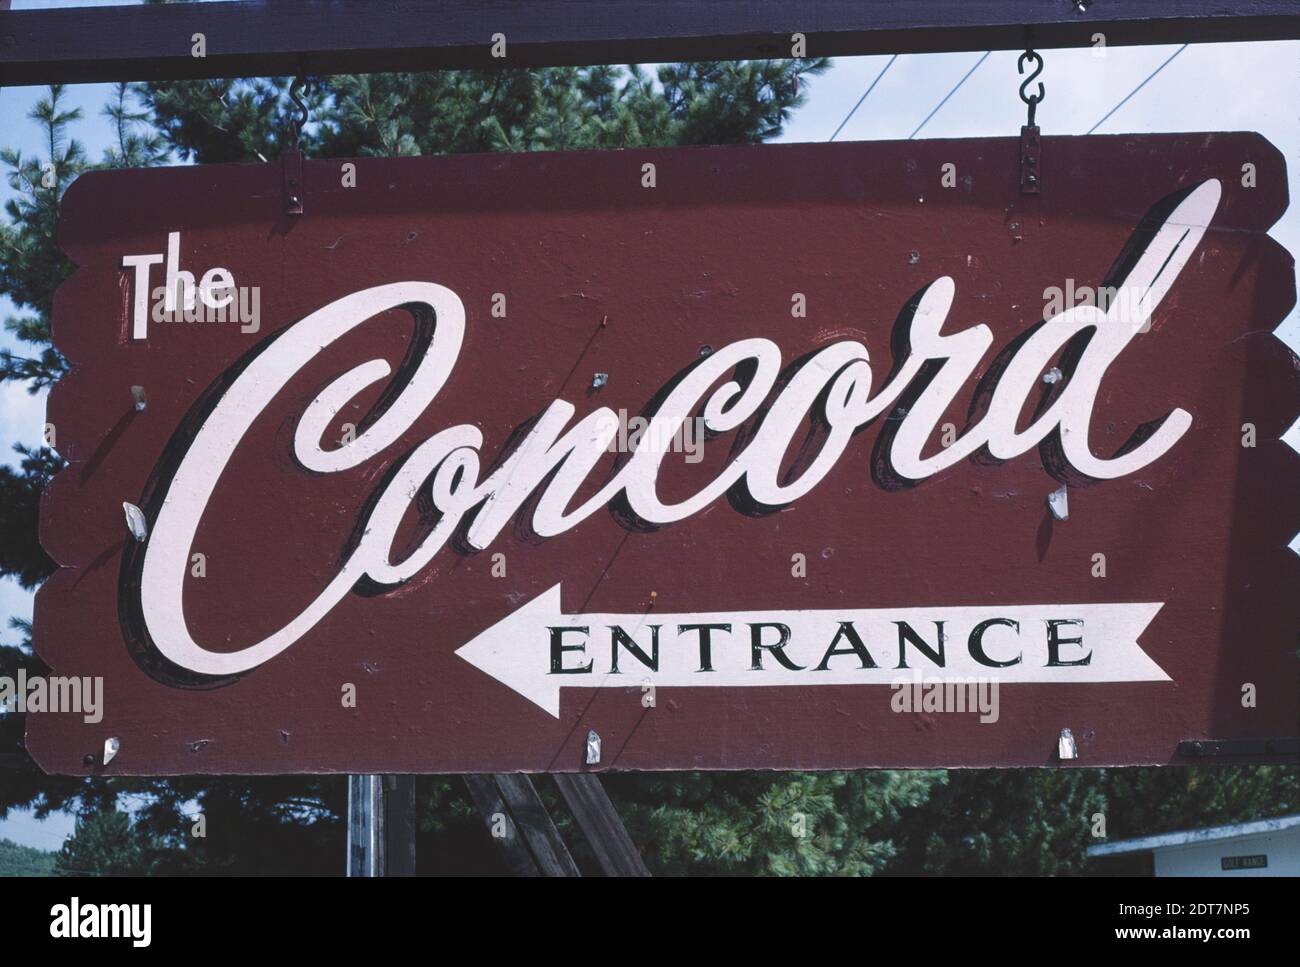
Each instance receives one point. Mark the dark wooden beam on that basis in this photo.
(399, 825)
(489, 803)
(600, 823)
(532, 845)
(258, 38)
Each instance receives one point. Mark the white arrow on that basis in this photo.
(537, 649)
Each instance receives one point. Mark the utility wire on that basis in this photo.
(948, 95)
(1136, 89)
(869, 89)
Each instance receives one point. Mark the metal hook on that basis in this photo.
(1032, 100)
(298, 84)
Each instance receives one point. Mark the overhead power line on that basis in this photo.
(869, 89)
(1136, 89)
(948, 95)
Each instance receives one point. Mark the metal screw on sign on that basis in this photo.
(1058, 501)
(135, 521)
(1065, 747)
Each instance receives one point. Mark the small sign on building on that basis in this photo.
(1266, 847)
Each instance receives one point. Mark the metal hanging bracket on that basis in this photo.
(1031, 179)
(291, 157)
(1031, 175)
(291, 169)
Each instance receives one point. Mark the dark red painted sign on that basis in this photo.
(786, 457)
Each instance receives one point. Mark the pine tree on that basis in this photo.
(108, 843)
(18, 860)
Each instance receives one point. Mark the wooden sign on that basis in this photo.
(795, 457)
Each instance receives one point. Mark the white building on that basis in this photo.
(1267, 847)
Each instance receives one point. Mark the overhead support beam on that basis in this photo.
(263, 38)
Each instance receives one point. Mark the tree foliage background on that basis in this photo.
(845, 823)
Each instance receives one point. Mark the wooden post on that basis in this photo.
(365, 826)
(399, 825)
(531, 845)
(381, 826)
(487, 800)
(595, 813)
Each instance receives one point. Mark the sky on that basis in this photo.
(1209, 87)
